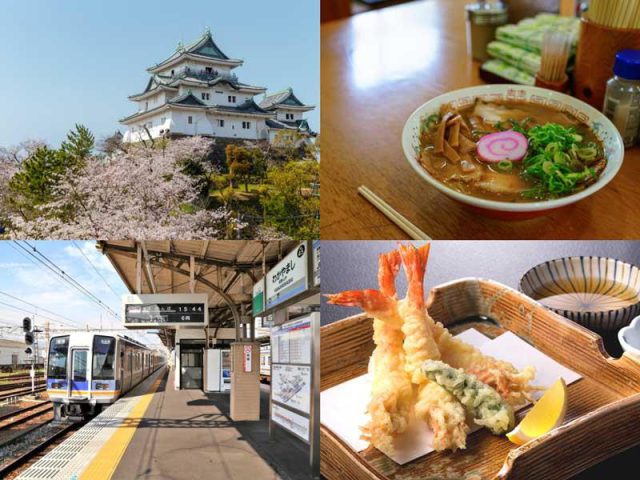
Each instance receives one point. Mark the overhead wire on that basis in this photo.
(95, 269)
(53, 267)
(39, 308)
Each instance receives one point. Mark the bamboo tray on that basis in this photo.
(603, 416)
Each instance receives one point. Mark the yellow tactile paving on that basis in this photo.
(105, 462)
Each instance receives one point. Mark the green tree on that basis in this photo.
(290, 205)
(78, 146)
(34, 184)
(240, 162)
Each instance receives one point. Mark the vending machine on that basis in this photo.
(212, 370)
(225, 371)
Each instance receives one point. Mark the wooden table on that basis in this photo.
(377, 68)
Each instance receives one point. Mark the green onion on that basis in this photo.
(557, 160)
(504, 166)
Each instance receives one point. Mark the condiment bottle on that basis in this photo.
(622, 98)
(482, 20)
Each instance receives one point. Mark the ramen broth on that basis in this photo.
(468, 174)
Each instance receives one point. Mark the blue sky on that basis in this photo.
(23, 279)
(77, 61)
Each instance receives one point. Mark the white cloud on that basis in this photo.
(34, 283)
(13, 265)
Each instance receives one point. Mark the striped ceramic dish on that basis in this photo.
(602, 294)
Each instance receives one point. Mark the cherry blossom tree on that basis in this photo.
(143, 192)
(10, 160)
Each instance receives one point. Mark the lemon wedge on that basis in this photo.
(545, 415)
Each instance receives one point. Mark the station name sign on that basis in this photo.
(294, 275)
(288, 278)
(165, 310)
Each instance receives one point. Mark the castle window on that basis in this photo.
(221, 123)
(232, 99)
(173, 72)
(208, 69)
(146, 106)
(190, 120)
(205, 96)
(246, 125)
(289, 116)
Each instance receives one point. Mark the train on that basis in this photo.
(89, 371)
(265, 363)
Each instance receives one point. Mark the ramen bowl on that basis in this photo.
(595, 120)
(603, 294)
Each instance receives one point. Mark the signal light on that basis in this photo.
(28, 338)
(28, 351)
(26, 324)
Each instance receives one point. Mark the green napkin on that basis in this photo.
(508, 72)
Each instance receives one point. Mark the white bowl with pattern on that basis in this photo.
(601, 293)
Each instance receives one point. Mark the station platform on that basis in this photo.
(157, 432)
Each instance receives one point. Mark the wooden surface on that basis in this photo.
(377, 68)
(601, 404)
(334, 9)
(595, 57)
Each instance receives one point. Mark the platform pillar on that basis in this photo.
(245, 381)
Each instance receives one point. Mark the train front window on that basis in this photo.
(58, 354)
(79, 365)
(104, 354)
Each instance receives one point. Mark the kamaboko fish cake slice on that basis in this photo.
(482, 402)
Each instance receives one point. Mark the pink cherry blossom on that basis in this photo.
(139, 193)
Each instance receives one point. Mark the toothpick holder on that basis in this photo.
(562, 86)
(596, 54)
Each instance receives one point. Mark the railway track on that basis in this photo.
(25, 456)
(6, 416)
(13, 385)
(22, 391)
(20, 376)
(23, 415)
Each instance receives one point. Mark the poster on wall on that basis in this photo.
(291, 421)
(291, 386)
(291, 342)
(288, 278)
(316, 263)
(258, 297)
(246, 358)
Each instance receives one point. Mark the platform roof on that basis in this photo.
(220, 268)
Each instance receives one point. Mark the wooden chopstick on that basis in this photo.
(405, 225)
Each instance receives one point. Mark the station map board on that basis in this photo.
(291, 375)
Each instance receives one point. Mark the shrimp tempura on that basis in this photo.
(419, 344)
(435, 406)
(392, 394)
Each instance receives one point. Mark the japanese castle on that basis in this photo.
(195, 92)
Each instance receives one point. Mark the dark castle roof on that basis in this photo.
(247, 107)
(299, 125)
(286, 97)
(187, 99)
(204, 47)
